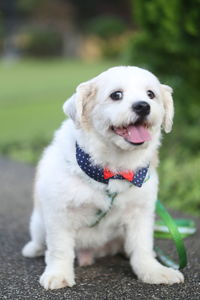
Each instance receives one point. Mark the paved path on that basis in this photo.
(110, 278)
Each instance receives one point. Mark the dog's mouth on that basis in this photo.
(135, 133)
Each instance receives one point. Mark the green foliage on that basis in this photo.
(106, 26)
(169, 40)
(26, 7)
(179, 182)
(185, 134)
(180, 151)
(43, 42)
(26, 151)
(168, 43)
(111, 32)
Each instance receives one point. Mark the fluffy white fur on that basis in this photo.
(66, 199)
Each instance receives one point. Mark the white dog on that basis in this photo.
(96, 184)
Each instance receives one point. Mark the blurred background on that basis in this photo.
(48, 47)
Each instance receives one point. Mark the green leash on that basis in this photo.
(175, 229)
(165, 228)
(100, 214)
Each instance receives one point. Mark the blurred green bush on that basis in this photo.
(169, 39)
(43, 42)
(28, 151)
(179, 182)
(106, 26)
(112, 34)
(167, 42)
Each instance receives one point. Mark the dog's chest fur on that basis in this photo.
(129, 199)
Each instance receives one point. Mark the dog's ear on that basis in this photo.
(81, 103)
(168, 106)
(69, 108)
(85, 101)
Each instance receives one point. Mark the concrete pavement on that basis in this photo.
(109, 278)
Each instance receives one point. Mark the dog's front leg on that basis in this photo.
(139, 246)
(59, 257)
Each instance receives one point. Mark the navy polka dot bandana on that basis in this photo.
(104, 175)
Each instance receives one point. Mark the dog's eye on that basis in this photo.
(118, 95)
(150, 94)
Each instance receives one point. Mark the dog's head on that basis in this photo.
(126, 106)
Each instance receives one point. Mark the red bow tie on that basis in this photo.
(127, 175)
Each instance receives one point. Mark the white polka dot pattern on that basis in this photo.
(97, 172)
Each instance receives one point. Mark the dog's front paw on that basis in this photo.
(55, 280)
(162, 275)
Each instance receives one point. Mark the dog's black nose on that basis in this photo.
(141, 108)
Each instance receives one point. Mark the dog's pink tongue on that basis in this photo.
(135, 134)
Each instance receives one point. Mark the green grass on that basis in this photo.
(32, 95)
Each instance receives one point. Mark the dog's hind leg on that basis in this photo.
(36, 246)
